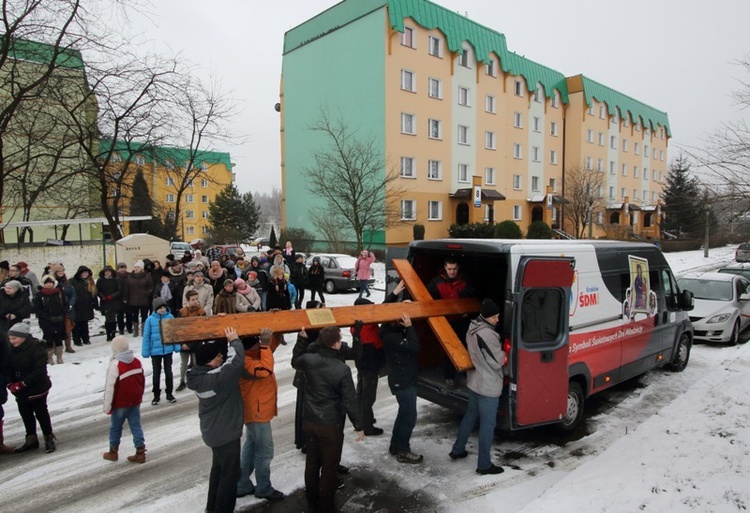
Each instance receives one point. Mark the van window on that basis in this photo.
(671, 292)
(540, 316)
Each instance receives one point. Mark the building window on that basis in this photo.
(517, 182)
(516, 212)
(538, 95)
(624, 145)
(436, 46)
(190, 230)
(653, 175)
(518, 120)
(613, 142)
(407, 124)
(204, 199)
(407, 38)
(463, 134)
(536, 124)
(611, 193)
(489, 67)
(622, 193)
(169, 164)
(170, 181)
(553, 157)
(434, 210)
(188, 198)
(489, 176)
(661, 155)
(589, 163)
(204, 214)
(518, 88)
(435, 170)
(435, 128)
(517, 152)
(435, 87)
(463, 96)
(535, 153)
(635, 194)
(139, 160)
(204, 183)
(590, 110)
(602, 112)
(489, 104)
(599, 165)
(535, 184)
(489, 140)
(553, 100)
(612, 167)
(552, 184)
(463, 172)
(645, 150)
(204, 167)
(170, 198)
(407, 167)
(408, 82)
(636, 149)
(553, 129)
(624, 170)
(635, 171)
(589, 136)
(408, 210)
(463, 59)
(204, 230)
(601, 138)
(189, 214)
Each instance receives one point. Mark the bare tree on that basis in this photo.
(583, 190)
(351, 177)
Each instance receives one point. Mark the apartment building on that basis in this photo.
(475, 131)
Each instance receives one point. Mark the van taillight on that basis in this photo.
(346, 274)
(453, 246)
(506, 350)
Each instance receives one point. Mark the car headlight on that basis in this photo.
(719, 318)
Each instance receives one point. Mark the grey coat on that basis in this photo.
(486, 352)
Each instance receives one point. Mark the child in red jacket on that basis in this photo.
(123, 393)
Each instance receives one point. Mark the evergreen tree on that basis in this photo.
(142, 205)
(233, 217)
(683, 213)
(272, 239)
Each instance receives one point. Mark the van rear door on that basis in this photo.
(540, 339)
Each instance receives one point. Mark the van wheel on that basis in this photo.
(574, 413)
(330, 287)
(735, 338)
(681, 354)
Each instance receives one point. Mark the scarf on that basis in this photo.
(165, 293)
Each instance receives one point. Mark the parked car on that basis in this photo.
(340, 274)
(179, 249)
(740, 269)
(230, 250)
(722, 306)
(743, 252)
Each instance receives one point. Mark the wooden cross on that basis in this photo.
(183, 330)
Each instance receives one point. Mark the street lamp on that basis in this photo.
(591, 217)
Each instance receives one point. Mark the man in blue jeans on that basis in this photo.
(485, 385)
(401, 347)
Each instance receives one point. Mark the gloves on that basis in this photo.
(16, 387)
(265, 336)
(358, 328)
(108, 298)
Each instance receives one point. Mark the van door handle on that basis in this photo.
(547, 356)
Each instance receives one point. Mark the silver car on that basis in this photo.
(722, 306)
(339, 269)
(743, 252)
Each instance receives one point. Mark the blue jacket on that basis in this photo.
(152, 345)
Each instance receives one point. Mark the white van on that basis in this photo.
(179, 249)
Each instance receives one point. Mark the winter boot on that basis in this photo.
(58, 354)
(49, 443)
(4, 449)
(68, 349)
(139, 456)
(50, 361)
(111, 455)
(136, 326)
(32, 442)
(111, 329)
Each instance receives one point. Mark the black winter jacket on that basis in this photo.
(50, 308)
(85, 300)
(109, 291)
(28, 363)
(401, 347)
(18, 304)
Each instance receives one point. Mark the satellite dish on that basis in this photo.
(277, 107)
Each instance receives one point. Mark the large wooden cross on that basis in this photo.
(193, 329)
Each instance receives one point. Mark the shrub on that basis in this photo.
(539, 230)
(471, 231)
(508, 230)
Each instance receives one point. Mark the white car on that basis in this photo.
(722, 306)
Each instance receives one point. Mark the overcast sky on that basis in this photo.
(676, 55)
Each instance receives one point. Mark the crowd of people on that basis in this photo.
(234, 379)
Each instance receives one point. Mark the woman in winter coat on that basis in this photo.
(110, 299)
(205, 293)
(290, 256)
(298, 277)
(216, 276)
(225, 301)
(50, 308)
(278, 261)
(84, 306)
(166, 290)
(160, 353)
(261, 275)
(316, 277)
(63, 283)
(14, 305)
(137, 295)
(247, 297)
(362, 270)
(29, 382)
(278, 291)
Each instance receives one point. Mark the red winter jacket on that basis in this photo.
(125, 382)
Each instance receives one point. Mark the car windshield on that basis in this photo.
(733, 270)
(346, 262)
(181, 246)
(708, 289)
(744, 246)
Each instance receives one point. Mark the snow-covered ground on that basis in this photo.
(665, 442)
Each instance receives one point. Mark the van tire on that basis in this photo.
(574, 413)
(681, 354)
(330, 286)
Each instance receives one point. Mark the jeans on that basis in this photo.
(263, 299)
(406, 419)
(485, 409)
(323, 451)
(363, 288)
(156, 362)
(257, 453)
(117, 420)
(225, 472)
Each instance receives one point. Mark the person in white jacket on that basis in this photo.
(248, 299)
(485, 383)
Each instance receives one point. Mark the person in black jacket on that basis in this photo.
(316, 277)
(50, 307)
(329, 395)
(110, 299)
(401, 347)
(298, 277)
(4, 350)
(14, 305)
(29, 382)
(84, 306)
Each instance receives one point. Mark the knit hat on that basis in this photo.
(49, 277)
(120, 344)
(165, 273)
(198, 273)
(20, 329)
(140, 264)
(229, 263)
(489, 308)
(363, 301)
(158, 303)
(228, 281)
(22, 265)
(15, 284)
(241, 285)
(5, 265)
(252, 275)
(121, 265)
(206, 353)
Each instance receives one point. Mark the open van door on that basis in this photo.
(540, 338)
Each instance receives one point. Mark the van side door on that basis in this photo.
(540, 339)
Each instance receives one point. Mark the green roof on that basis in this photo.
(163, 154)
(626, 105)
(42, 53)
